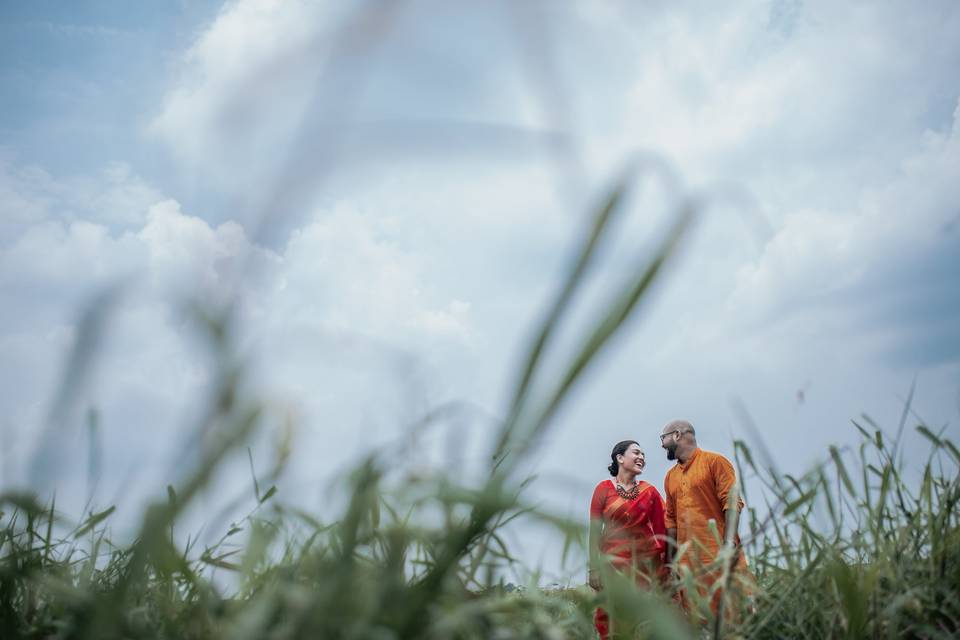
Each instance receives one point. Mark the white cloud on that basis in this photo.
(117, 197)
(343, 279)
(450, 321)
(887, 267)
(25, 196)
(29, 195)
(242, 88)
(800, 102)
(282, 93)
(838, 120)
(187, 254)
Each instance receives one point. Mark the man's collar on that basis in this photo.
(693, 456)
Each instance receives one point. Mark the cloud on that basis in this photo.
(186, 254)
(115, 197)
(25, 196)
(53, 268)
(839, 122)
(343, 295)
(885, 271)
(242, 88)
(272, 97)
(796, 100)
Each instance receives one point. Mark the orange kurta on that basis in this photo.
(698, 492)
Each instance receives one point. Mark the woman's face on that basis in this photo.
(632, 459)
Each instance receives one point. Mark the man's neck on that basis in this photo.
(685, 455)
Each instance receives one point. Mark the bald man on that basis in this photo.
(699, 489)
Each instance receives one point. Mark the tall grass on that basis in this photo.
(885, 564)
(422, 559)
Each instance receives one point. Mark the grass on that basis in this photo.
(421, 559)
(887, 562)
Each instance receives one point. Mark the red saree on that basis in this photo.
(632, 535)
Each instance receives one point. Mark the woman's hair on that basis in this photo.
(618, 450)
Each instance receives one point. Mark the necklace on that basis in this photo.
(628, 495)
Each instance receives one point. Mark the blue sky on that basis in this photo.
(81, 78)
(392, 194)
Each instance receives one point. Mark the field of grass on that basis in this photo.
(881, 560)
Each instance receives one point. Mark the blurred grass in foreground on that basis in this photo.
(889, 568)
(422, 560)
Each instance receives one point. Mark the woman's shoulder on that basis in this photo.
(601, 494)
(604, 486)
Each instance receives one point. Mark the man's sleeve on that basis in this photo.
(725, 479)
(670, 514)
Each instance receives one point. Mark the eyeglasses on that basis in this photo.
(670, 433)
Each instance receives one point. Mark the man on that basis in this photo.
(700, 489)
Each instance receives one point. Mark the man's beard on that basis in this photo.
(671, 453)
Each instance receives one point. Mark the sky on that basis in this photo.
(392, 193)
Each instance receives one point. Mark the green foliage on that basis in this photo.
(885, 565)
(888, 566)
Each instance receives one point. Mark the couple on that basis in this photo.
(638, 533)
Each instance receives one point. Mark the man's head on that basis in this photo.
(678, 438)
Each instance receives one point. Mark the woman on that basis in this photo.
(626, 524)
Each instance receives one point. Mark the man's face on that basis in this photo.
(668, 440)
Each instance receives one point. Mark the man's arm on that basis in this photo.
(671, 545)
(728, 493)
(732, 519)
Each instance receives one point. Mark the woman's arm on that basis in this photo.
(596, 533)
